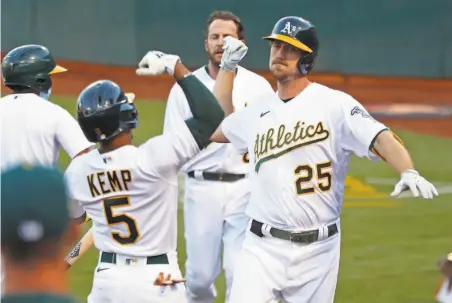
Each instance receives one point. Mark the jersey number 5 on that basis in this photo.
(113, 219)
(307, 172)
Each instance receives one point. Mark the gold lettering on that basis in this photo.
(296, 137)
(269, 144)
(126, 178)
(281, 131)
(262, 146)
(308, 133)
(302, 132)
(319, 130)
(94, 191)
(113, 179)
(272, 140)
(288, 138)
(256, 148)
(102, 183)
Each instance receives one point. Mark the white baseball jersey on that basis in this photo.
(33, 130)
(131, 193)
(216, 157)
(299, 154)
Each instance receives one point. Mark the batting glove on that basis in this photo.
(156, 63)
(234, 51)
(410, 179)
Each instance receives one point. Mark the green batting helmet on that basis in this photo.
(29, 66)
(301, 34)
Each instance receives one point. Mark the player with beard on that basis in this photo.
(291, 251)
(217, 188)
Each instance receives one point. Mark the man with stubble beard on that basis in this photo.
(300, 141)
(217, 188)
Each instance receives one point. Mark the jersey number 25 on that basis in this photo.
(113, 219)
(307, 174)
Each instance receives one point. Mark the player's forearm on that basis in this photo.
(207, 112)
(223, 90)
(203, 104)
(219, 137)
(80, 249)
(393, 152)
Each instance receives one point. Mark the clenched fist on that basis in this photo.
(156, 63)
(234, 51)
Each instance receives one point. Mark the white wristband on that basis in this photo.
(170, 63)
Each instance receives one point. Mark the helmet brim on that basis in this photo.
(289, 40)
(58, 69)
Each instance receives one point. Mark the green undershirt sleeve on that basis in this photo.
(207, 112)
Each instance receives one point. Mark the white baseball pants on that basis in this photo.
(214, 215)
(270, 269)
(126, 283)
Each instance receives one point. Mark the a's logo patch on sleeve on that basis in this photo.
(359, 111)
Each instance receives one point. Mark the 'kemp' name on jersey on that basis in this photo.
(286, 141)
(109, 181)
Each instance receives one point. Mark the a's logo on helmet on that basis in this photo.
(288, 28)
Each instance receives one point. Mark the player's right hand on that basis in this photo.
(156, 63)
(410, 179)
(233, 52)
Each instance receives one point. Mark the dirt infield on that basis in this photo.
(365, 88)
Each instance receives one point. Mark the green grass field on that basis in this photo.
(389, 247)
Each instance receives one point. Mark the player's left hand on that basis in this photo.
(410, 179)
(233, 52)
(156, 63)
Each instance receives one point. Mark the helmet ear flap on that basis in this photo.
(305, 63)
(43, 82)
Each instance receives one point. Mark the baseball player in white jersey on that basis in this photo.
(33, 129)
(300, 140)
(216, 186)
(129, 192)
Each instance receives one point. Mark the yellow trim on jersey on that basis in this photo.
(398, 140)
(291, 41)
(397, 137)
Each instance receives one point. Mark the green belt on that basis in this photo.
(107, 257)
